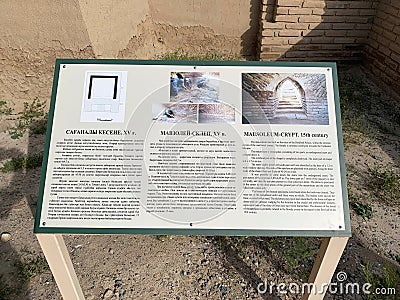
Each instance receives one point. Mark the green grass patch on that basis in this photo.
(239, 243)
(384, 184)
(39, 126)
(28, 266)
(297, 252)
(208, 56)
(31, 267)
(23, 162)
(387, 281)
(25, 120)
(5, 109)
(6, 292)
(362, 209)
(33, 118)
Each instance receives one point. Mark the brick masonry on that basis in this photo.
(261, 95)
(383, 47)
(325, 30)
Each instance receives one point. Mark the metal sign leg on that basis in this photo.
(328, 257)
(60, 263)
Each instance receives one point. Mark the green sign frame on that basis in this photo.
(224, 232)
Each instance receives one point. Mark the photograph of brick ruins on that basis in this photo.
(194, 87)
(279, 98)
(175, 113)
(216, 113)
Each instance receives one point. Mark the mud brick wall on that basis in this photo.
(315, 30)
(383, 48)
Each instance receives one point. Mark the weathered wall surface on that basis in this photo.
(32, 35)
(365, 31)
(34, 32)
(109, 26)
(383, 48)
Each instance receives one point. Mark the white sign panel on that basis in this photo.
(179, 146)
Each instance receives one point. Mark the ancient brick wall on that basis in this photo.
(365, 31)
(383, 48)
(315, 30)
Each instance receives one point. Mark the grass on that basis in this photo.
(388, 280)
(367, 115)
(362, 209)
(23, 162)
(5, 109)
(31, 267)
(239, 243)
(163, 237)
(26, 119)
(6, 292)
(33, 117)
(297, 252)
(39, 126)
(384, 184)
(210, 56)
(352, 104)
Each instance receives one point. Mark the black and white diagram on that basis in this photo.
(104, 97)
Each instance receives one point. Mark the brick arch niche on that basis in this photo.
(284, 95)
(308, 92)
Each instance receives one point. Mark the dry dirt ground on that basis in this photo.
(200, 267)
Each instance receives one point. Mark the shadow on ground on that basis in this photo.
(19, 192)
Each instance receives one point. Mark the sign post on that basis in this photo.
(151, 147)
(60, 263)
(328, 257)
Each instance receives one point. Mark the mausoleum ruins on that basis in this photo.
(284, 98)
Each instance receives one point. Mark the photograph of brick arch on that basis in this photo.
(284, 98)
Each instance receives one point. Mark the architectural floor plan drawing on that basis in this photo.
(104, 97)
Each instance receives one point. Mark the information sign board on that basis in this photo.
(231, 148)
